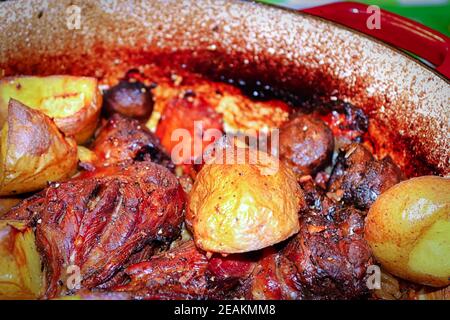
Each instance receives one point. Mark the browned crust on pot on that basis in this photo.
(408, 103)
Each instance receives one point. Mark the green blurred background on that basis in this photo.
(433, 13)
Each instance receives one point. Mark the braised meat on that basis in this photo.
(274, 278)
(131, 99)
(329, 253)
(360, 178)
(185, 272)
(122, 138)
(97, 223)
(179, 273)
(327, 259)
(306, 144)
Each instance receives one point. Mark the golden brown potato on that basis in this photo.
(243, 207)
(20, 265)
(408, 229)
(74, 103)
(33, 151)
(7, 203)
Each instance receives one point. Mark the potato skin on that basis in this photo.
(408, 230)
(74, 103)
(33, 151)
(240, 207)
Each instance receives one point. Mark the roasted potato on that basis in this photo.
(20, 265)
(33, 151)
(408, 229)
(74, 103)
(243, 207)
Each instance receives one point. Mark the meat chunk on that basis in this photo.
(360, 178)
(97, 223)
(179, 273)
(185, 272)
(274, 278)
(121, 139)
(131, 99)
(329, 253)
(306, 144)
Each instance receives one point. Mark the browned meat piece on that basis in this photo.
(97, 223)
(176, 274)
(122, 138)
(131, 99)
(329, 253)
(274, 278)
(142, 255)
(228, 274)
(306, 144)
(360, 178)
(186, 273)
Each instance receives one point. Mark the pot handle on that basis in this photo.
(393, 29)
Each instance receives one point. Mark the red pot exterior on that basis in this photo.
(408, 103)
(396, 30)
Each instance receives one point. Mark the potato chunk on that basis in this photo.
(74, 103)
(244, 207)
(408, 229)
(33, 151)
(20, 265)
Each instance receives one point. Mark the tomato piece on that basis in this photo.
(184, 128)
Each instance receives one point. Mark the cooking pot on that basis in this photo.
(407, 101)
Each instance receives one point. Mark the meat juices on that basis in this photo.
(306, 144)
(361, 177)
(97, 223)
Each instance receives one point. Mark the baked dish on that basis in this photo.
(114, 182)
